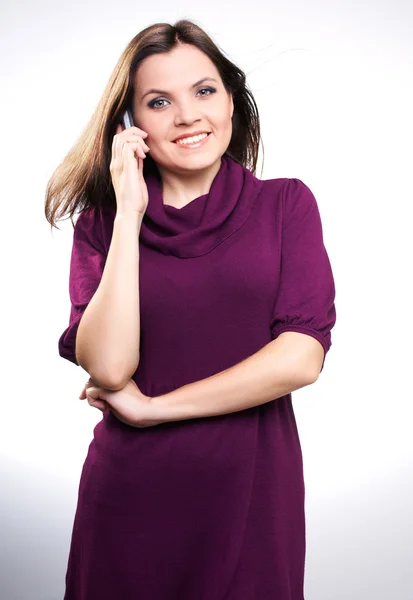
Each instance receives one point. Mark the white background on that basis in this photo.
(333, 83)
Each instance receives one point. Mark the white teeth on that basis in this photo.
(192, 140)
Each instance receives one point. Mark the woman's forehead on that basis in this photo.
(182, 66)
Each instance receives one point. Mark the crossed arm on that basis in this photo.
(292, 361)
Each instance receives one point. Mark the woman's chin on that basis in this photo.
(191, 163)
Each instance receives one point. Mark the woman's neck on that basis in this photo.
(179, 190)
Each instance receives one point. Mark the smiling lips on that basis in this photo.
(194, 140)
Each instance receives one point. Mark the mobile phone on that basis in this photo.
(127, 119)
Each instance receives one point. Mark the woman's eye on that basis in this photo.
(209, 91)
(161, 102)
(155, 103)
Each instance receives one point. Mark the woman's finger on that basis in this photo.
(137, 143)
(94, 398)
(132, 135)
(100, 404)
(141, 142)
(88, 384)
(140, 132)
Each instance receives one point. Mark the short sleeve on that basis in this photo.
(306, 293)
(86, 268)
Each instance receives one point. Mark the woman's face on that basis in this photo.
(180, 93)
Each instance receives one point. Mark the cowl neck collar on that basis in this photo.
(205, 222)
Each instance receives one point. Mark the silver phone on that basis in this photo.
(127, 119)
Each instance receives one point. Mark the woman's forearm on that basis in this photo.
(107, 341)
(286, 364)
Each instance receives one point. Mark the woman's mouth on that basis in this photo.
(193, 142)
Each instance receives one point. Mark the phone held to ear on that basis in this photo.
(127, 119)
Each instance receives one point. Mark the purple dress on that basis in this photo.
(209, 508)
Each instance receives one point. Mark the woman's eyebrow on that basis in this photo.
(156, 91)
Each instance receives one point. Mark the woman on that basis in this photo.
(201, 298)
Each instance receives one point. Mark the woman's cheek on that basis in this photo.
(158, 154)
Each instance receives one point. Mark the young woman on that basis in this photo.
(201, 298)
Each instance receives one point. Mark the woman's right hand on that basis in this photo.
(126, 169)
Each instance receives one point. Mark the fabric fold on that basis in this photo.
(205, 222)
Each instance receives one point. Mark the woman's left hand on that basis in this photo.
(128, 405)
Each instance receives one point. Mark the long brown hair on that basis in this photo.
(83, 178)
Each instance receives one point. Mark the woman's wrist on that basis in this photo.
(169, 408)
(131, 218)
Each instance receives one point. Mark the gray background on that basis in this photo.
(333, 82)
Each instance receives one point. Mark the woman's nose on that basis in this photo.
(186, 113)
